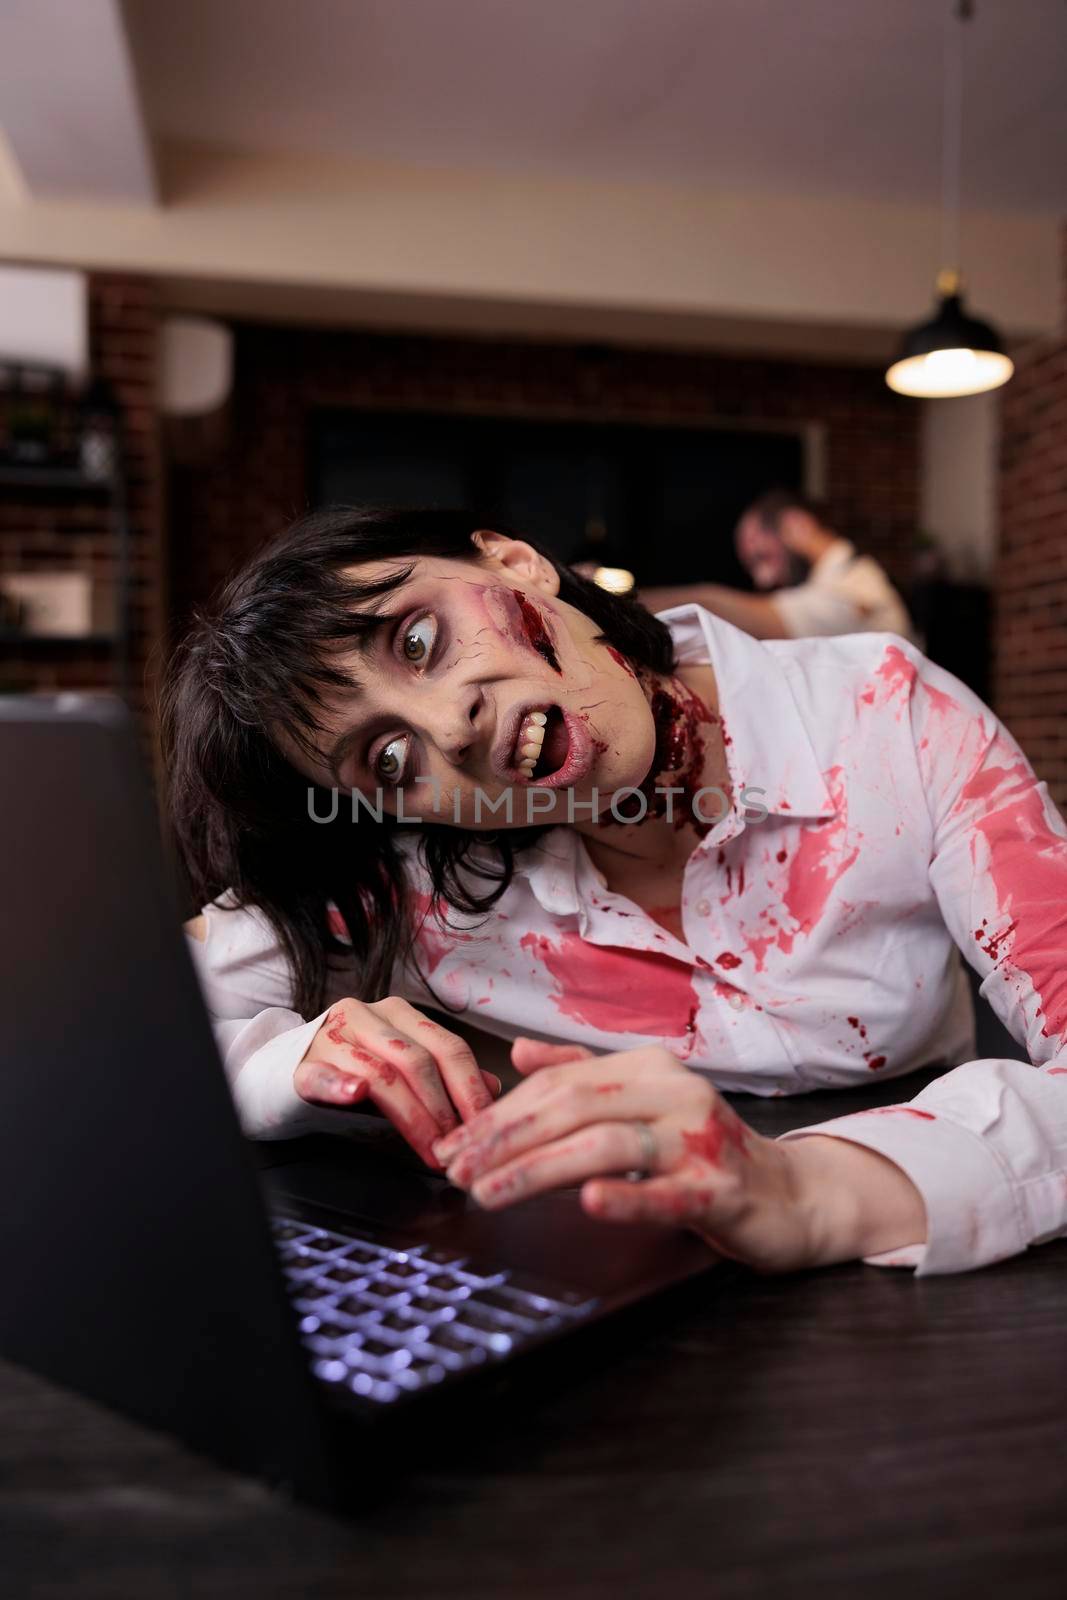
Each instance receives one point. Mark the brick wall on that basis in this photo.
(220, 514)
(53, 530)
(1031, 590)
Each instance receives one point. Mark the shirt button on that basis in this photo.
(703, 908)
(737, 1002)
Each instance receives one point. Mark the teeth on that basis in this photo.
(531, 738)
(528, 744)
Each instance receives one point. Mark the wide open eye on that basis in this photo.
(418, 641)
(392, 759)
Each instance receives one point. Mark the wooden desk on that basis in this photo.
(848, 1433)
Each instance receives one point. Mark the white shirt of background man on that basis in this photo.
(844, 593)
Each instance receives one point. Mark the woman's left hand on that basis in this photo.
(584, 1120)
(578, 1120)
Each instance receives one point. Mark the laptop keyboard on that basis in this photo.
(383, 1322)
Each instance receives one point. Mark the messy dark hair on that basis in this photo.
(264, 657)
(771, 507)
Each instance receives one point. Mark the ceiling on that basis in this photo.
(820, 97)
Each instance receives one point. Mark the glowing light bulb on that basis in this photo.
(616, 580)
(940, 374)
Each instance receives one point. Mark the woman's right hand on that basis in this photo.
(424, 1079)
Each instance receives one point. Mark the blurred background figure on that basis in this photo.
(438, 255)
(819, 583)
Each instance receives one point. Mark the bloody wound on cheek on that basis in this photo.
(533, 625)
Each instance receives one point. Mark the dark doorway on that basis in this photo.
(661, 501)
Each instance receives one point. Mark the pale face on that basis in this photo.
(483, 681)
(763, 554)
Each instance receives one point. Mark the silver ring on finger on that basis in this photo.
(649, 1152)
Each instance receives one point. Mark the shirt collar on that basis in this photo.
(767, 749)
(767, 746)
(551, 866)
(838, 554)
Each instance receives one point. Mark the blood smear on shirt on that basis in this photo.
(819, 860)
(432, 940)
(1027, 863)
(618, 991)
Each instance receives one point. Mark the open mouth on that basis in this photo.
(543, 744)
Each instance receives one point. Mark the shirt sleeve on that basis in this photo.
(818, 609)
(245, 981)
(986, 1144)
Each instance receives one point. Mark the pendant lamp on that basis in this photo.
(952, 353)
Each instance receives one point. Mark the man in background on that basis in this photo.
(815, 582)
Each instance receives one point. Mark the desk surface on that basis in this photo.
(850, 1432)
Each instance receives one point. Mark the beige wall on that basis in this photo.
(641, 248)
(959, 484)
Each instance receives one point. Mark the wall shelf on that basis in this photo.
(19, 479)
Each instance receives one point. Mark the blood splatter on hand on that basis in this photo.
(583, 1121)
(387, 1056)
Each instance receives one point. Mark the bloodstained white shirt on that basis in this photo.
(844, 593)
(903, 824)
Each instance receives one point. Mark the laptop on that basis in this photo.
(261, 1302)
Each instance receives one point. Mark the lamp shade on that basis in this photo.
(952, 354)
(196, 367)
